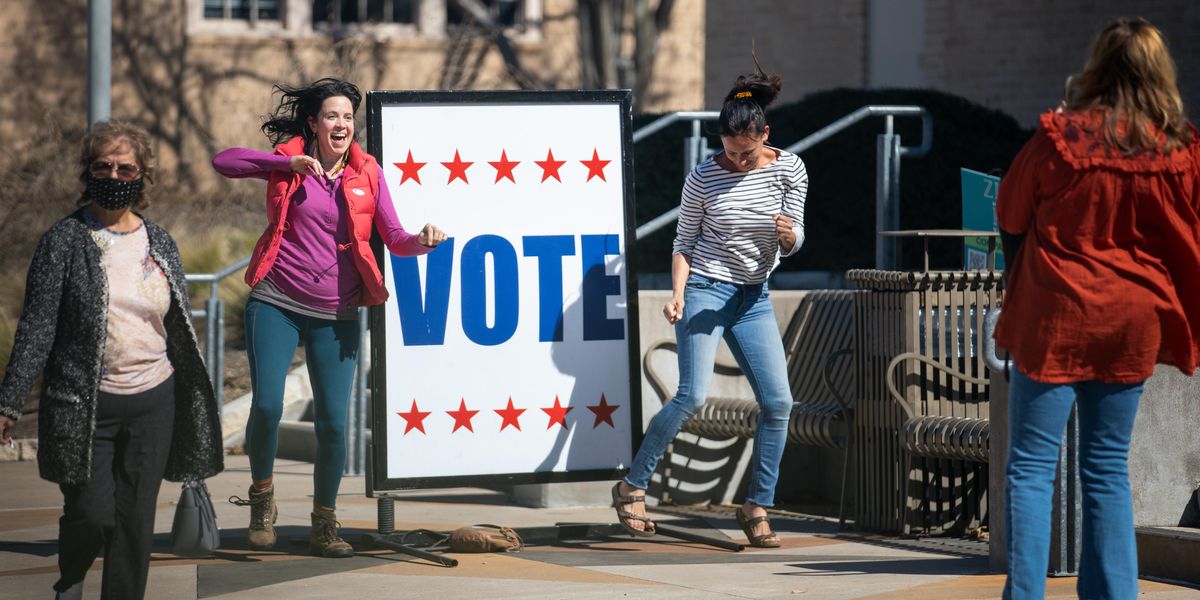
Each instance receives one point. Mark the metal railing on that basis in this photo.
(213, 314)
(887, 163)
(695, 149)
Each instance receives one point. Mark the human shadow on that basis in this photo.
(292, 540)
(883, 565)
(591, 381)
(42, 548)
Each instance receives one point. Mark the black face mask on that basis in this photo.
(113, 194)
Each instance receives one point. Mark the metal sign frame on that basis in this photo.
(378, 484)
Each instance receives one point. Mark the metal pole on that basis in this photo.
(364, 364)
(219, 380)
(379, 541)
(894, 204)
(210, 335)
(884, 146)
(698, 144)
(693, 148)
(356, 437)
(1067, 531)
(349, 468)
(99, 60)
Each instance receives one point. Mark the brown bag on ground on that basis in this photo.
(485, 538)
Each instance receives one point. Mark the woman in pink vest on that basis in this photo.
(310, 272)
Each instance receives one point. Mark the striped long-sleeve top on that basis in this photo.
(726, 223)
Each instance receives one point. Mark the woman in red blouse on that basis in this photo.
(1100, 208)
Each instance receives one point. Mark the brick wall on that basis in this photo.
(1015, 55)
(1012, 55)
(814, 45)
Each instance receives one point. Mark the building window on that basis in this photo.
(383, 19)
(242, 10)
(337, 12)
(505, 13)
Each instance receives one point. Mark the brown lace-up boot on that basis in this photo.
(261, 532)
(323, 540)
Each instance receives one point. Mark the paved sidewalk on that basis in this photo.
(814, 562)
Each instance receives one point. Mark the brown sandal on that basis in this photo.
(624, 516)
(767, 540)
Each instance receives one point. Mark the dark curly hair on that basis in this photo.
(744, 111)
(298, 104)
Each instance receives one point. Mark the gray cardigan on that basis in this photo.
(61, 338)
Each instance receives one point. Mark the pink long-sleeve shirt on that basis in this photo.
(310, 268)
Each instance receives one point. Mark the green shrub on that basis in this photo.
(209, 251)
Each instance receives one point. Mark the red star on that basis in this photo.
(595, 166)
(504, 167)
(550, 166)
(458, 168)
(415, 419)
(604, 412)
(510, 415)
(558, 414)
(462, 416)
(410, 169)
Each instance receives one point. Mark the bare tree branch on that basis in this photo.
(479, 13)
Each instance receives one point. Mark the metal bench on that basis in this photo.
(937, 436)
(818, 342)
(940, 436)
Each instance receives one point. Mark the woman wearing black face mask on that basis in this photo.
(125, 398)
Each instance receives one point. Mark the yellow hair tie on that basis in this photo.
(740, 95)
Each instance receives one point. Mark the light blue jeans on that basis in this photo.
(1037, 419)
(742, 314)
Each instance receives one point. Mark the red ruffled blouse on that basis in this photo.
(1107, 282)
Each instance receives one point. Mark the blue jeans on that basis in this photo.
(742, 314)
(1037, 419)
(331, 352)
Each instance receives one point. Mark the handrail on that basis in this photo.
(829, 130)
(213, 314)
(219, 275)
(812, 139)
(657, 223)
(666, 120)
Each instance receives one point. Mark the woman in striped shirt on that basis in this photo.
(741, 209)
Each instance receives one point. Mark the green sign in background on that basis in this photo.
(979, 213)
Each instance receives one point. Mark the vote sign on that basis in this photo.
(509, 353)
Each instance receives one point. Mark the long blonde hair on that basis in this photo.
(1130, 74)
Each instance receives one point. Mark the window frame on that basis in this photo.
(295, 20)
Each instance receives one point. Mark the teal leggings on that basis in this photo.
(331, 351)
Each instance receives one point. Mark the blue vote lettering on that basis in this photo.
(549, 250)
(598, 285)
(423, 313)
(474, 290)
(423, 319)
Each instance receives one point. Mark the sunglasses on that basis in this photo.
(125, 171)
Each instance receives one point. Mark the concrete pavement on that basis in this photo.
(815, 562)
